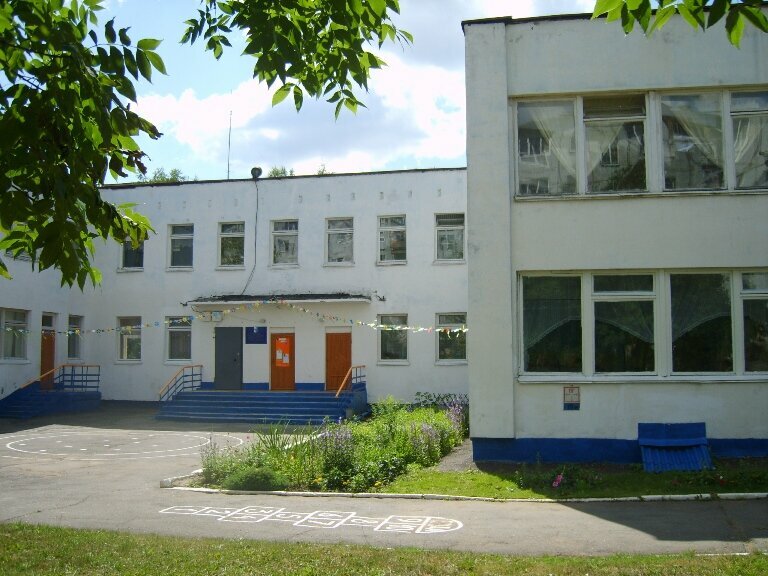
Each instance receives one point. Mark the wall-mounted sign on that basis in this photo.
(256, 335)
(282, 352)
(571, 397)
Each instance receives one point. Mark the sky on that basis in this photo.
(415, 106)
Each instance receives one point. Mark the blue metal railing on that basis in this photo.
(187, 378)
(77, 377)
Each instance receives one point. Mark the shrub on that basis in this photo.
(255, 478)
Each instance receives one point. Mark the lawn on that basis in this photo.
(583, 481)
(27, 550)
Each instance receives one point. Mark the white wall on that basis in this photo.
(510, 235)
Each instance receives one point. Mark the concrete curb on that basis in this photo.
(168, 483)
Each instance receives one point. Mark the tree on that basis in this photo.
(66, 88)
(279, 172)
(159, 176)
(701, 14)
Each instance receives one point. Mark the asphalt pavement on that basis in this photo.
(104, 470)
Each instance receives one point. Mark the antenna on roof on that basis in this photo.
(229, 142)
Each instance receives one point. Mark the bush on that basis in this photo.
(255, 478)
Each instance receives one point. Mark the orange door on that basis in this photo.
(47, 357)
(283, 363)
(338, 358)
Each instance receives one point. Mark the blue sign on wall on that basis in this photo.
(256, 335)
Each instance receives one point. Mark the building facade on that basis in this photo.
(617, 202)
(267, 283)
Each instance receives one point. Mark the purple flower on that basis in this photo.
(558, 480)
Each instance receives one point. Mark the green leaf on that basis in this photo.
(734, 26)
(145, 67)
(148, 44)
(298, 97)
(662, 17)
(156, 61)
(281, 94)
(605, 6)
(756, 17)
(379, 6)
(124, 38)
(109, 31)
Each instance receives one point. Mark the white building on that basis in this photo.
(268, 283)
(618, 237)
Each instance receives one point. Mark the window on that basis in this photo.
(392, 239)
(749, 111)
(182, 236)
(339, 238)
(232, 244)
(755, 305)
(599, 144)
(129, 338)
(179, 342)
(701, 323)
(449, 236)
(624, 327)
(285, 242)
(393, 338)
(132, 257)
(692, 142)
(614, 129)
(14, 333)
(74, 330)
(451, 339)
(552, 323)
(661, 323)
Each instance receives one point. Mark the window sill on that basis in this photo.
(643, 194)
(129, 362)
(180, 269)
(393, 363)
(392, 263)
(19, 361)
(447, 262)
(450, 363)
(229, 268)
(129, 270)
(177, 362)
(283, 266)
(338, 264)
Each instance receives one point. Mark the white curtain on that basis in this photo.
(705, 128)
(599, 138)
(747, 146)
(558, 126)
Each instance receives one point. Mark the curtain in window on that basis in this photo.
(599, 138)
(556, 122)
(750, 146)
(700, 117)
(635, 318)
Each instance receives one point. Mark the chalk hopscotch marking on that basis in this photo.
(322, 519)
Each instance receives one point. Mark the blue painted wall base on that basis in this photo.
(595, 449)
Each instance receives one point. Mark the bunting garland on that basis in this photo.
(281, 304)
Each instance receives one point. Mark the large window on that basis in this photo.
(392, 243)
(393, 338)
(231, 244)
(339, 241)
(449, 237)
(451, 338)
(179, 338)
(750, 138)
(129, 338)
(652, 142)
(643, 324)
(182, 236)
(132, 257)
(74, 336)
(285, 242)
(13, 335)
(552, 324)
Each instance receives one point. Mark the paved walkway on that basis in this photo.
(103, 470)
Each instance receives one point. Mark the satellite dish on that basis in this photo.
(255, 172)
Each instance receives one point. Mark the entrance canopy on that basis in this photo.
(336, 297)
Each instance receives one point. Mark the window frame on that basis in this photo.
(663, 336)
(388, 228)
(176, 236)
(5, 334)
(392, 361)
(654, 144)
(339, 231)
(129, 328)
(276, 234)
(127, 246)
(74, 337)
(177, 325)
(439, 327)
(448, 228)
(219, 244)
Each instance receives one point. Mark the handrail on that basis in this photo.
(179, 376)
(348, 378)
(52, 370)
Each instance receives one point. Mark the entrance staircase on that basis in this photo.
(183, 399)
(73, 388)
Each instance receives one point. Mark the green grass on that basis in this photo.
(27, 550)
(583, 481)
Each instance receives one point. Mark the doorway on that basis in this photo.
(47, 351)
(282, 372)
(228, 359)
(338, 358)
